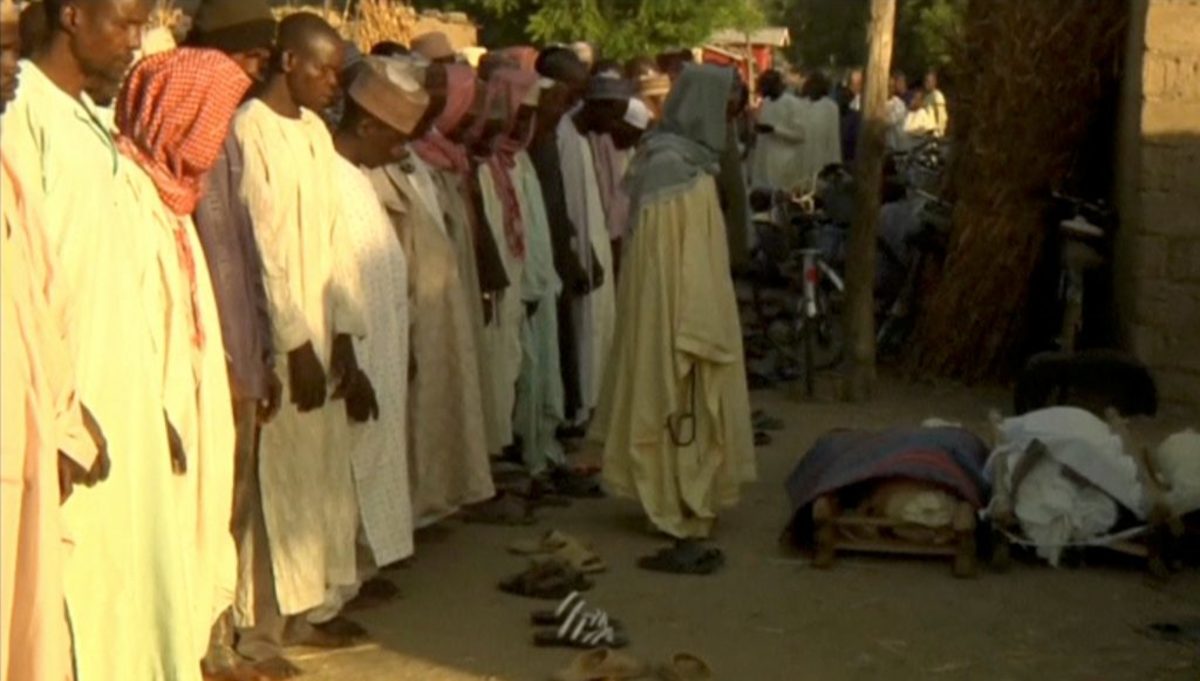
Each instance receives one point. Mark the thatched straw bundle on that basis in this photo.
(1031, 75)
(372, 21)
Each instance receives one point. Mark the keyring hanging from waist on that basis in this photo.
(676, 424)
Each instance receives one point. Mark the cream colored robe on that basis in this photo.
(502, 337)
(379, 451)
(128, 589)
(195, 393)
(679, 333)
(290, 186)
(457, 215)
(448, 460)
(39, 416)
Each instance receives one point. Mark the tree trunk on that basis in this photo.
(860, 261)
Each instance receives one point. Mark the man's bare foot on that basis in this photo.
(277, 668)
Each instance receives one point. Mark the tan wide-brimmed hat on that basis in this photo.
(391, 93)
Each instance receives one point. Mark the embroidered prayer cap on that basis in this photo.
(233, 26)
(391, 91)
(433, 46)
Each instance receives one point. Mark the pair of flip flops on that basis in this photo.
(576, 624)
(685, 558)
(562, 547)
(548, 580)
(608, 665)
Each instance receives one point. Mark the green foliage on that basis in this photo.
(619, 28)
(832, 33)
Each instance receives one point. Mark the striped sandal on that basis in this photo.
(573, 606)
(582, 630)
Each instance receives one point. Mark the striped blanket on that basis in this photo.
(952, 458)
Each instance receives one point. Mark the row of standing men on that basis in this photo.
(384, 305)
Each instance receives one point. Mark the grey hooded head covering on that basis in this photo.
(688, 142)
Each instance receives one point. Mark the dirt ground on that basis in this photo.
(769, 616)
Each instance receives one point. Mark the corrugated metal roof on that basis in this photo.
(774, 36)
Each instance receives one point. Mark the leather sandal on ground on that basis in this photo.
(685, 667)
(602, 665)
(549, 580)
(506, 510)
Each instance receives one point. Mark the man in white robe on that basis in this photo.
(383, 108)
(126, 585)
(780, 144)
(290, 187)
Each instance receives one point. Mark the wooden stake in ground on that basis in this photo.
(860, 261)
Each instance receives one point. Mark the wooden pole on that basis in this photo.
(860, 262)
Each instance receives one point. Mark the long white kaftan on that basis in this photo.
(194, 384)
(779, 154)
(594, 315)
(127, 587)
(38, 412)
(290, 186)
(448, 459)
(502, 336)
(380, 448)
(540, 399)
(678, 353)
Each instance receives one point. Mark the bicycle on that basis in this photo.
(807, 333)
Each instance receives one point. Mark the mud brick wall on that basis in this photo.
(1158, 249)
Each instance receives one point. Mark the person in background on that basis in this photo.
(921, 121)
(672, 62)
(674, 416)
(851, 112)
(935, 103)
(389, 48)
(896, 112)
(578, 270)
(288, 182)
(173, 115)
(428, 201)
(778, 152)
(822, 144)
(245, 31)
(593, 316)
(612, 162)
(32, 28)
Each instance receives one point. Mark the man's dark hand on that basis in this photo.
(306, 378)
(361, 405)
(343, 364)
(102, 464)
(178, 456)
(764, 129)
(268, 408)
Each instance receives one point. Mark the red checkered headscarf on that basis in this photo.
(174, 113)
